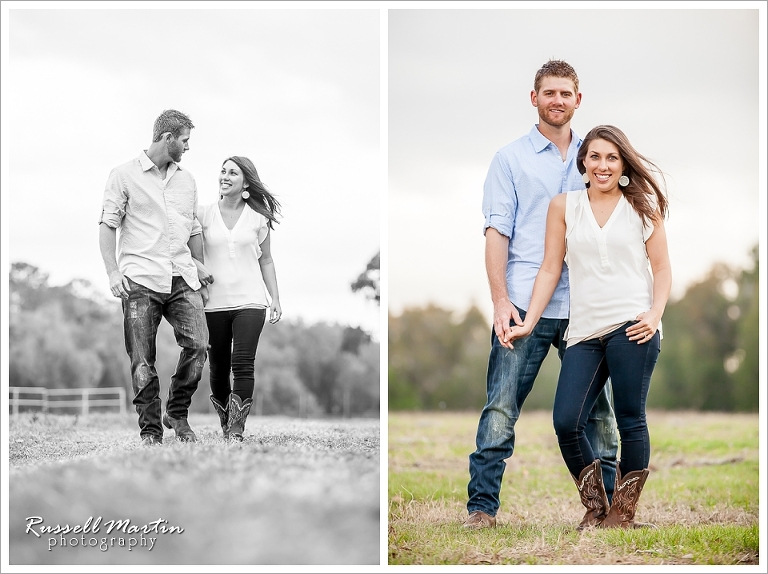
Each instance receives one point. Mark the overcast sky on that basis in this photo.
(683, 84)
(296, 91)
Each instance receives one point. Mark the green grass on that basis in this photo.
(702, 493)
(295, 492)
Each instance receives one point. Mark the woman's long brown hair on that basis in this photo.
(639, 170)
(261, 199)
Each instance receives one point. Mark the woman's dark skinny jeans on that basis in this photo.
(234, 337)
(585, 369)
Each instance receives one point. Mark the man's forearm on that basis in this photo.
(108, 245)
(496, 256)
(195, 245)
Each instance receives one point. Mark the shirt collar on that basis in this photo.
(147, 164)
(540, 142)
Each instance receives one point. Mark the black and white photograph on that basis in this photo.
(191, 227)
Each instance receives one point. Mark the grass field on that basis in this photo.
(297, 491)
(702, 493)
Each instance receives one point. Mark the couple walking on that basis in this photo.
(207, 269)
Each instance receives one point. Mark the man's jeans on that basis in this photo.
(585, 369)
(510, 377)
(142, 312)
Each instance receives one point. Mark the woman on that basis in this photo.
(239, 271)
(607, 234)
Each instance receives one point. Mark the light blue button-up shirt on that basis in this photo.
(522, 179)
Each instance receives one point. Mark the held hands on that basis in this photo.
(204, 294)
(118, 284)
(203, 274)
(504, 312)
(645, 328)
(205, 278)
(275, 312)
(516, 332)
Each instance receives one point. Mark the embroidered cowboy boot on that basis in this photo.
(221, 410)
(625, 497)
(237, 412)
(593, 497)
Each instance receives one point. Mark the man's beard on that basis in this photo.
(564, 119)
(175, 151)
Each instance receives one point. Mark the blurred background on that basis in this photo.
(295, 90)
(683, 84)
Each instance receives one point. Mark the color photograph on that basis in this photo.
(576, 236)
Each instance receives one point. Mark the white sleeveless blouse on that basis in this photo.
(608, 268)
(232, 257)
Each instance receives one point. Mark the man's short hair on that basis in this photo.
(171, 121)
(556, 69)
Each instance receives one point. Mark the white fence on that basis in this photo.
(82, 399)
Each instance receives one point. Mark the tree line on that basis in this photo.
(709, 356)
(70, 337)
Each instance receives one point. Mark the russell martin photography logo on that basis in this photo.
(101, 534)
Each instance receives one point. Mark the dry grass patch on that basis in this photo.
(702, 493)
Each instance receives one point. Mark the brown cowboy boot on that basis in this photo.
(221, 410)
(625, 497)
(478, 519)
(593, 497)
(237, 412)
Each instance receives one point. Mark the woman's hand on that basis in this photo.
(275, 311)
(516, 332)
(503, 313)
(203, 274)
(204, 294)
(645, 328)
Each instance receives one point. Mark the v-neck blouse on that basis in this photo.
(608, 268)
(232, 257)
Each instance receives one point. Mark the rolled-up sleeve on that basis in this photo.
(499, 198)
(113, 204)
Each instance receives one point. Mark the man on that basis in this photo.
(153, 201)
(522, 178)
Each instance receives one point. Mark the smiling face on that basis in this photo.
(231, 180)
(176, 147)
(603, 165)
(556, 100)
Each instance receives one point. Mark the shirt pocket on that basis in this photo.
(180, 206)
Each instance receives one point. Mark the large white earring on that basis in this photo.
(245, 194)
(623, 181)
(584, 178)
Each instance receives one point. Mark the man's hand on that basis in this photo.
(204, 294)
(119, 285)
(504, 312)
(203, 274)
(516, 332)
